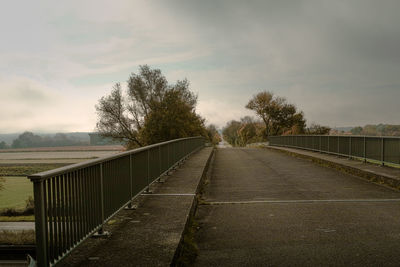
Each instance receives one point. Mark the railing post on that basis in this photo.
(365, 149)
(350, 152)
(101, 232)
(383, 151)
(168, 149)
(184, 149)
(159, 164)
(320, 143)
(40, 223)
(329, 148)
(130, 206)
(148, 171)
(312, 142)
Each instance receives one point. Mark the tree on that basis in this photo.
(318, 129)
(230, 132)
(3, 145)
(150, 111)
(171, 118)
(278, 115)
(118, 121)
(243, 132)
(263, 104)
(27, 139)
(212, 134)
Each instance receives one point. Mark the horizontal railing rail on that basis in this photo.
(377, 149)
(74, 202)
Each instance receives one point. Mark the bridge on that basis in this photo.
(274, 206)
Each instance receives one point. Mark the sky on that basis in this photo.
(337, 61)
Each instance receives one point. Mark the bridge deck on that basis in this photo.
(263, 207)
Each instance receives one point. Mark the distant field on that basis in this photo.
(16, 164)
(16, 190)
(26, 169)
(54, 157)
(66, 148)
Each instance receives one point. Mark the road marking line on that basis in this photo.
(300, 201)
(168, 194)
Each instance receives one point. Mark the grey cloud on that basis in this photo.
(336, 60)
(340, 54)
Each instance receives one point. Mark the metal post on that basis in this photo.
(101, 232)
(383, 151)
(365, 150)
(320, 143)
(338, 144)
(130, 206)
(312, 142)
(131, 173)
(168, 157)
(40, 224)
(328, 145)
(159, 165)
(350, 152)
(148, 172)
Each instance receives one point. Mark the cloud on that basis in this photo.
(336, 60)
(219, 112)
(27, 104)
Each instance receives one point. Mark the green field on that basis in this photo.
(16, 190)
(16, 164)
(26, 169)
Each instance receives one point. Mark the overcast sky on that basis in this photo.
(338, 61)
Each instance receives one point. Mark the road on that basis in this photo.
(265, 208)
(16, 226)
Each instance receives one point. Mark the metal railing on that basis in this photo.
(74, 202)
(382, 150)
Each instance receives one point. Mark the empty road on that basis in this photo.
(265, 208)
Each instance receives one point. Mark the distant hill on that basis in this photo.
(79, 137)
(343, 129)
(8, 138)
(377, 130)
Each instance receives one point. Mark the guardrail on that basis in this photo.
(382, 150)
(74, 202)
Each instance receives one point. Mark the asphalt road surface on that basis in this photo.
(265, 208)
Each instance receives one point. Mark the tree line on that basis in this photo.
(377, 130)
(29, 139)
(275, 117)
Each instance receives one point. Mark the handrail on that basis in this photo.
(61, 170)
(376, 149)
(74, 202)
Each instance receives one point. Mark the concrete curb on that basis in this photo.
(179, 250)
(366, 175)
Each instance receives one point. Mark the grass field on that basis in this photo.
(16, 164)
(26, 169)
(16, 190)
(23, 218)
(26, 237)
